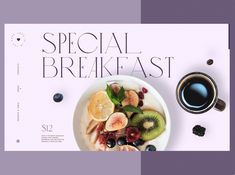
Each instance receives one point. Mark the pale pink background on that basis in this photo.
(190, 44)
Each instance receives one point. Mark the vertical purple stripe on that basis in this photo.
(185, 11)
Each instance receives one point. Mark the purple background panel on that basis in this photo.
(185, 11)
(71, 11)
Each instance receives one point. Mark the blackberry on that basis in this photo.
(199, 130)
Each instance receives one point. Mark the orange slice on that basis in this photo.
(100, 106)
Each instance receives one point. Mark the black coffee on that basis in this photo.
(197, 94)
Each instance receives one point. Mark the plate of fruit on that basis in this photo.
(121, 113)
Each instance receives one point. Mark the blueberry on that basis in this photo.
(110, 143)
(150, 148)
(58, 97)
(138, 142)
(199, 130)
(121, 141)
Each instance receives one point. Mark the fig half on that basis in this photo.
(116, 121)
(131, 98)
(115, 87)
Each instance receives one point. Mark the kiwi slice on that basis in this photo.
(151, 124)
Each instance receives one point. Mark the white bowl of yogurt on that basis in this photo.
(152, 100)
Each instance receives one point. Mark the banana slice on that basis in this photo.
(93, 137)
(91, 126)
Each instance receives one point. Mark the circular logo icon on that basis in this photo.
(18, 39)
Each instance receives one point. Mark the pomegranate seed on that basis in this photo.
(144, 90)
(112, 135)
(133, 134)
(100, 127)
(141, 95)
(102, 139)
(141, 103)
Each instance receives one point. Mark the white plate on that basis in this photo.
(80, 120)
